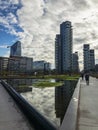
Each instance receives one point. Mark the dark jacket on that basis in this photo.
(87, 77)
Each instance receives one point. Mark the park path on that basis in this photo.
(88, 105)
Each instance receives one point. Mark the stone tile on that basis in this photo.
(11, 117)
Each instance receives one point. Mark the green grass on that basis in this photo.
(47, 84)
(72, 78)
(62, 77)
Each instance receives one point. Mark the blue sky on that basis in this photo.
(5, 39)
(8, 11)
(36, 22)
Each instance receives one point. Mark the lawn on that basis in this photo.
(47, 84)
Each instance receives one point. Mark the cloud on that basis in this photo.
(40, 20)
(8, 15)
(3, 46)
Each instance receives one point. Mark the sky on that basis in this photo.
(36, 22)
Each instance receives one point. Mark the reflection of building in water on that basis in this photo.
(21, 85)
(75, 63)
(63, 96)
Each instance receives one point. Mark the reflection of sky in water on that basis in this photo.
(43, 99)
(52, 102)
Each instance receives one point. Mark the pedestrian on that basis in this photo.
(87, 78)
(82, 75)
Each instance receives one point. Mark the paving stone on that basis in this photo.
(11, 117)
(88, 108)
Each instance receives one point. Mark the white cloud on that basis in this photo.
(11, 19)
(40, 20)
(7, 16)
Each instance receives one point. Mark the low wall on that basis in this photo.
(70, 119)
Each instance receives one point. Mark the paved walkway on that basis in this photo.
(88, 107)
(11, 118)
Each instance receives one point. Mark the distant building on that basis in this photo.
(86, 52)
(63, 48)
(58, 54)
(41, 65)
(96, 68)
(47, 66)
(92, 60)
(75, 63)
(20, 65)
(3, 65)
(89, 58)
(15, 49)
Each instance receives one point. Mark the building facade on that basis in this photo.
(15, 49)
(92, 60)
(63, 48)
(96, 68)
(58, 54)
(3, 65)
(75, 63)
(20, 65)
(86, 52)
(41, 66)
(89, 58)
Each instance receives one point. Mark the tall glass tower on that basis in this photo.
(92, 59)
(66, 40)
(86, 52)
(16, 49)
(58, 54)
(64, 53)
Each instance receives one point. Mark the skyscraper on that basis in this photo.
(75, 63)
(58, 54)
(66, 40)
(92, 59)
(86, 53)
(16, 49)
(89, 58)
(63, 48)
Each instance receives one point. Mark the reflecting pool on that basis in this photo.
(21, 85)
(52, 102)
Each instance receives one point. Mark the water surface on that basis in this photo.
(51, 102)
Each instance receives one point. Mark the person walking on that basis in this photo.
(82, 75)
(87, 78)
